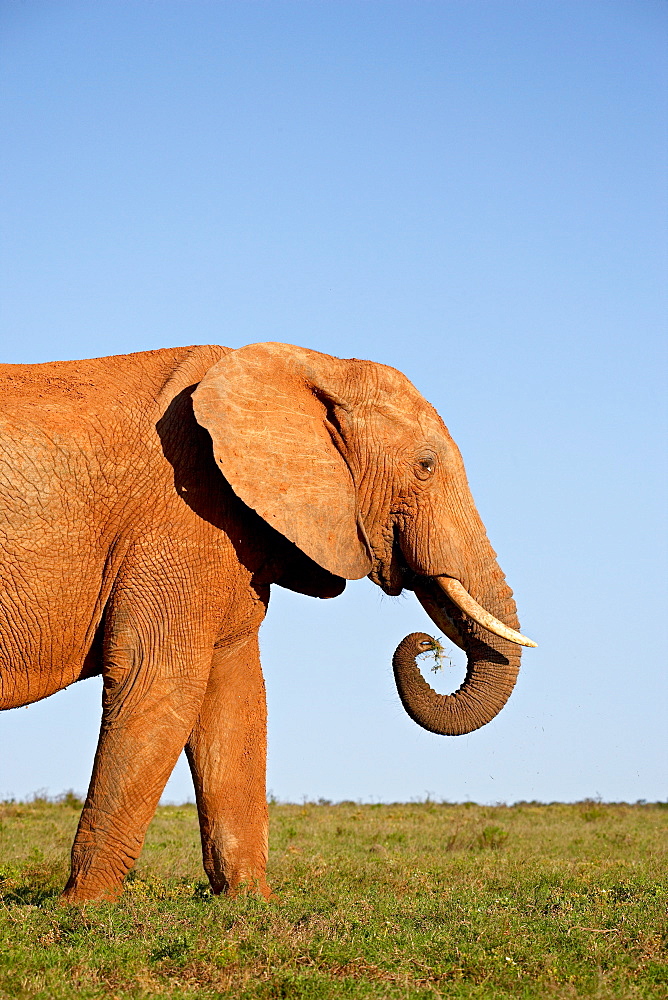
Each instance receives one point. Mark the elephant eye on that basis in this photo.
(426, 466)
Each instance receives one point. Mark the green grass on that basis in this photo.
(421, 900)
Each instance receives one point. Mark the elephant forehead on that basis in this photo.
(401, 420)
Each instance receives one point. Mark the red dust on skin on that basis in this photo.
(148, 502)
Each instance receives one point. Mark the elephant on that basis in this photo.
(149, 501)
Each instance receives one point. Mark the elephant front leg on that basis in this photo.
(146, 719)
(227, 756)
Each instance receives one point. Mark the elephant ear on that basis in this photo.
(274, 412)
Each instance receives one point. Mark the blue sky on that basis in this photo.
(473, 192)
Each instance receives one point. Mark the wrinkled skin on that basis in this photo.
(147, 504)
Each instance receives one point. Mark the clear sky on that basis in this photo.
(473, 192)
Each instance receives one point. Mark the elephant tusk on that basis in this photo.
(461, 597)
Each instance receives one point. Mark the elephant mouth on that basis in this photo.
(451, 607)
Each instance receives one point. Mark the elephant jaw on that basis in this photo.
(459, 596)
(438, 614)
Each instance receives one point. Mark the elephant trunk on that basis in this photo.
(493, 662)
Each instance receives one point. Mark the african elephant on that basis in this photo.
(149, 501)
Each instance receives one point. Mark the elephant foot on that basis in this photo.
(73, 895)
(246, 887)
(249, 889)
(242, 884)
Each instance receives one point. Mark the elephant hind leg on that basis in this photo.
(227, 756)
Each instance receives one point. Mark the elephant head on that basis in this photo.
(347, 460)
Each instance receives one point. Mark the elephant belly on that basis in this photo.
(57, 558)
(36, 662)
(51, 603)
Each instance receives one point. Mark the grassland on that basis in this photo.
(422, 900)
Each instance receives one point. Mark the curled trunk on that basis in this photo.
(493, 663)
